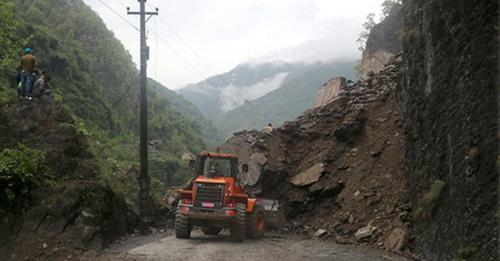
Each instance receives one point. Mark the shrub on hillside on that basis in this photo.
(18, 175)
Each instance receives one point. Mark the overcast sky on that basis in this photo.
(226, 33)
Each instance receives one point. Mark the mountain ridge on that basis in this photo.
(276, 80)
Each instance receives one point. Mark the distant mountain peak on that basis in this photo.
(226, 91)
(252, 81)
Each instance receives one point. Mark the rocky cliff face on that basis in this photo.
(383, 43)
(449, 95)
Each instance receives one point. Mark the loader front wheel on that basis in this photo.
(182, 226)
(256, 223)
(238, 228)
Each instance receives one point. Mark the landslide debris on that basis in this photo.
(73, 211)
(339, 169)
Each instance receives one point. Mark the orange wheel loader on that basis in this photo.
(214, 200)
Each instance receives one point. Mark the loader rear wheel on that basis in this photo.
(238, 228)
(256, 223)
(211, 231)
(182, 226)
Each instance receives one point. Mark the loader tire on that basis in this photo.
(256, 223)
(238, 226)
(182, 226)
(211, 231)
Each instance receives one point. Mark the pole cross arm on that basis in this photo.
(138, 13)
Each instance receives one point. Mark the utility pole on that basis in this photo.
(144, 181)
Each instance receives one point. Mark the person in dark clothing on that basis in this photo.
(27, 66)
(41, 86)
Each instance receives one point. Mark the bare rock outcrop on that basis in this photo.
(383, 42)
(329, 91)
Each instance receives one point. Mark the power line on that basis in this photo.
(208, 66)
(122, 4)
(201, 59)
(150, 5)
(188, 46)
(180, 56)
(116, 13)
(204, 76)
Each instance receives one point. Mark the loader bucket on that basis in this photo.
(273, 213)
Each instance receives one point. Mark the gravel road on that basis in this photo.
(273, 247)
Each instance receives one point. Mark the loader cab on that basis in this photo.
(211, 165)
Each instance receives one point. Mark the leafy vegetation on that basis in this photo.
(387, 6)
(428, 203)
(95, 78)
(8, 42)
(367, 27)
(18, 175)
(465, 253)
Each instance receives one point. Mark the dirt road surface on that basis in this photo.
(273, 247)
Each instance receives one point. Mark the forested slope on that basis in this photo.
(94, 77)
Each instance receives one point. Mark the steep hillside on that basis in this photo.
(211, 135)
(449, 94)
(295, 95)
(55, 202)
(339, 169)
(95, 78)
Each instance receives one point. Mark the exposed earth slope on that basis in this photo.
(67, 209)
(339, 167)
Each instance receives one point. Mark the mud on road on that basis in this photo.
(272, 247)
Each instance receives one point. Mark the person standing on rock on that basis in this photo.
(268, 128)
(27, 66)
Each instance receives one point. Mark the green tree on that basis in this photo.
(367, 27)
(9, 45)
(387, 6)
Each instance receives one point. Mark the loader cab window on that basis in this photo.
(216, 167)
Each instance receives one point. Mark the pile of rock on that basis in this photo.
(338, 168)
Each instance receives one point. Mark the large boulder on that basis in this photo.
(309, 176)
(397, 239)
